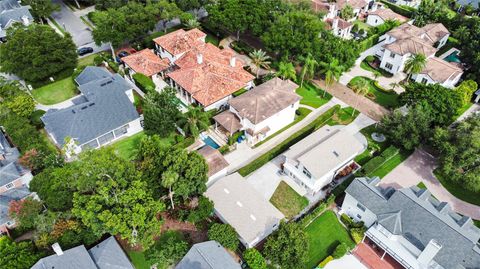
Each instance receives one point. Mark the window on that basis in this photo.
(359, 217)
(305, 172)
(90, 145)
(389, 66)
(121, 131)
(361, 207)
(9, 186)
(424, 80)
(104, 139)
(392, 55)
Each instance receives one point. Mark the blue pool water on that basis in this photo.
(209, 141)
(453, 58)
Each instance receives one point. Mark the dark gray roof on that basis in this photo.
(419, 218)
(109, 255)
(92, 73)
(106, 108)
(106, 255)
(207, 255)
(10, 169)
(74, 258)
(8, 196)
(11, 10)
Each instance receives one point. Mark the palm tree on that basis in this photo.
(361, 88)
(309, 67)
(286, 71)
(260, 59)
(331, 71)
(194, 120)
(415, 64)
(192, 23)
(168, 179)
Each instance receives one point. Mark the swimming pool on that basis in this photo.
(453, 57)
(209, 141)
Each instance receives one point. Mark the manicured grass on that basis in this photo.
(312, 96)
(301, 114)
(212, 39)
(385, 99)
(344, 116)
(389, 165)
(288, 201)
(88, 60)
(138, 259)
(299, 135)
(463, 109)
(364, 65)
(55, 92)
(457, 190)
(373, 145)
(126, 148)
(422, 186)
(324, 234)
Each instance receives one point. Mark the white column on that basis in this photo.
(384, 252)
(363, 239)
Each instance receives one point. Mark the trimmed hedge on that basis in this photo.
(239, 92)
(357, 234)
(390, 152)
(299, 135)
(143, 82)
(317, 211)
(340, 250)
(404, 11)
(369, 42)
(378, 161)
(325, 261)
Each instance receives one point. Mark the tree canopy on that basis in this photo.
(16, 255)
(37, 52)
(41, 8)
(224, 234)
(160, 112)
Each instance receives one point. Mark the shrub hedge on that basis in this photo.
(239, 92)
(369, 42)
(378, 161)
(299, 135)
(143, 82)
(325, 261)
(402, 10)
(340, 250)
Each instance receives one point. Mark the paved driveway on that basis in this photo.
(419, 168)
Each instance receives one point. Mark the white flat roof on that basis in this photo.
(240, 205)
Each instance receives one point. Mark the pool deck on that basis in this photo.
(448, 52)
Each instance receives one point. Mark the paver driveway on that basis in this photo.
(419, 168)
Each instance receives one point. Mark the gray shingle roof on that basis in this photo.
(11, 10)
(10, 169)
(92, 73)
(418, 217)
(207, 255)
(8, 196)
(109, 255)
(106, 255)
(106, 108)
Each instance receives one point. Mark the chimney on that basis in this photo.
(199, 58)
(58, 250)
(233, 61)
(25, 20)
(429, 252)
(374, 7)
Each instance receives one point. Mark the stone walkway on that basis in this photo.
(362, 104)
(419, 168)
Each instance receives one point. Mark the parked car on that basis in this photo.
(84, 50)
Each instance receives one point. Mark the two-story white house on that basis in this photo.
(103, 113)
(260, 112)
(149, 64)
(340, 27)
(379, 15)
(11, 12)
(439, 71)
(332, 9)
(411, 227)
(315, 161)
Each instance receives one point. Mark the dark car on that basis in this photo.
(123, 53)
(84, 50)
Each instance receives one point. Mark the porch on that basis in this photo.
(226, 124)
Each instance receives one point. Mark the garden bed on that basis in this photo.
(377, 94)
(288, 201)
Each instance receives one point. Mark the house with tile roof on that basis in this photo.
(411, 227)
(208, 255)
(406, 40)
(103, 113)
(14, 180)
(379, 15)
(146, 62)
(12, 12)
(202, 73)
(339, 27)
(314, 161)
(217, 165)
(260, 112)
(106, 255)
(239, 204)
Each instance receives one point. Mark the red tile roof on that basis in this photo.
(214, 78)
(180, 41)
(146, 62)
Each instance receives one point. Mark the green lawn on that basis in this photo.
(463, 109)
(389, 165)
(324, 234)
(212, 39)
(138, 259)
(422, 186)
(365, 156)
(383, 98)
(344, 116)
(288, 201)
(88, 60)
(456, 190)
(364, 65)
(55, 92)
(312, 96)
(126, 148)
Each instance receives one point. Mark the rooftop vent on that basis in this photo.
(239, 204)
(335, 153)
(253, 217)
(226, 191)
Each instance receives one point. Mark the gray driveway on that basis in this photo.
(419, 168)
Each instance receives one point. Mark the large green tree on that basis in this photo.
(53, 189)
(15, 97)
(25, 212)
(16, 255)
(286, 71)
(42, 8)
(37, 52)
(466, 89)
(254, 259)
(331, 71)
(260, 60)
(168, 250)
(194, 121)
(160, 111)
(459, 149)
(288, 246)
(415, 64)
(225, 235)
(232, 15)
(444, 102)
